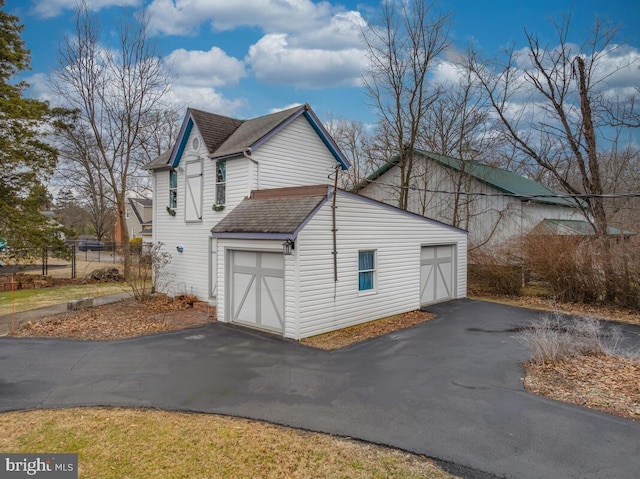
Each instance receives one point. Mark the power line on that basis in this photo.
(514, 195)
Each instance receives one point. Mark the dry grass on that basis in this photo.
(26, 299)
(373, 329)
(607, 383)
(578, 360)
(119, 443)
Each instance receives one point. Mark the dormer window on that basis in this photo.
(221, 182)
(173, 189)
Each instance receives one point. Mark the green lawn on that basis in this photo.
(143, 444)
(26, 299)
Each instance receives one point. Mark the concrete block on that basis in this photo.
(79, 304)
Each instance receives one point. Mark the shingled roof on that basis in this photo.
(277, 213)
(215, 129)
(227, 137)
(252, 131)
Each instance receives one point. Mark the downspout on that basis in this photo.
(247, 154)
(335, 230)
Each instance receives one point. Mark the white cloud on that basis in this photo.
(182, 96)
(213, 68)
(286, 107)
(446, 72)
(39, 87)
(184, 17)
(53, 8)
(306, 44)
(274, 60)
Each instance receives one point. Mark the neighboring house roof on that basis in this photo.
(136, 204)
(281, 213)
(229, 137)
(159, 162)
(505, 181)
(551, 226)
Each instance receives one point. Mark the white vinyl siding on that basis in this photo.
(397, 238)
(296, 156)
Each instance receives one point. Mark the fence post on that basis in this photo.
(44, 261)
(73, 261)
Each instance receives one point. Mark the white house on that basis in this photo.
(231, 194)
(493, 204)
(138, 213)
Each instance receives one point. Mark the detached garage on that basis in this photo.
(307, 260)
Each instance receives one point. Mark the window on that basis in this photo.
(221, 182)
(366, 270)
(126, 213)
(173, 188)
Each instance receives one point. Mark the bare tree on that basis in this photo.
(159, 133)
(79, 171)
(116, 93)
(458, 124)
(355, 142)
(402, 49)
(548, 101)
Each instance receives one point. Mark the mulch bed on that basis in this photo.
(124, 319)
(354, 334)
(606, 383)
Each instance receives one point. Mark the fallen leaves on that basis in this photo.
(124, 319)
(606, 383)
(354, 334)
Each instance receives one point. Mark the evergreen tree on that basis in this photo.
(26, 160)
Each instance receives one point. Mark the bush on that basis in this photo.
(136, 245)
(497, 271)
(554, 338)
(586, 269)
(148, 271)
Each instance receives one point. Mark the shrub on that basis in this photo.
(135, 245)
(586, 269)
(553, 338)
(497, 271)
(148, 271)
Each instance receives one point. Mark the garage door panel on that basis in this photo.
(436, 273)
(271, 304)
(257, 289)
(244, 307)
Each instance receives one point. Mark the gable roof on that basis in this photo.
(137, 203)
(227, 137)
(502, 180)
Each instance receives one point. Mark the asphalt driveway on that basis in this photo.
(450, 389)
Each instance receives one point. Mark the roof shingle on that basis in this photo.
(280, 210)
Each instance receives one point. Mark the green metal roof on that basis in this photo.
(502, 180)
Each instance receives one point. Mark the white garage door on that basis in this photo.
(257, 289)
(436, 274)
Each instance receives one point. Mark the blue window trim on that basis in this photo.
(366, 270)
(173, 188)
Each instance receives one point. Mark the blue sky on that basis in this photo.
(245, 58)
